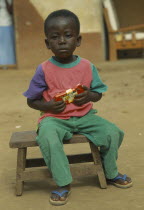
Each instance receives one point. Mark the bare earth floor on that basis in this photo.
(123, 104)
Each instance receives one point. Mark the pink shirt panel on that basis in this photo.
(60, 79)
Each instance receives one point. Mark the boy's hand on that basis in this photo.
(86, 97)
(52, 106)
(56, 107)
(83, 98)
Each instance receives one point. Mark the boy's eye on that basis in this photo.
(54, 37)
(68, 35)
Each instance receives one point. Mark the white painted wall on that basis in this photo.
(88, 11)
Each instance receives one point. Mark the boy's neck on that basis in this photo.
(65, 60)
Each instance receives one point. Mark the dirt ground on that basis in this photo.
(123, 104)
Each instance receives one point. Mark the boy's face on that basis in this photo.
(62, 37)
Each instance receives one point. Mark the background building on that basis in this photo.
(30, 14)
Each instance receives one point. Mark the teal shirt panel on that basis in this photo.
(97, 85)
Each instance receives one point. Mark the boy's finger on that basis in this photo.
(80, 100)
(85, 87)
(60, 109)
(80, 95)
(59, 106)
(59, 102)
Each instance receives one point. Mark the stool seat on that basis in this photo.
(32, 169)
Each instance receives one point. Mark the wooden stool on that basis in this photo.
(23, 140)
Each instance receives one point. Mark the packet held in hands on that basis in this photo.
(69, 95)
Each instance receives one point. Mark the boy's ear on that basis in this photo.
(79, 38)
(47, 43)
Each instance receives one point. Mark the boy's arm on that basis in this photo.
(50, 106)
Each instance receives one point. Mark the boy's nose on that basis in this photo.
(62, 40)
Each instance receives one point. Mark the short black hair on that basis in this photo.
(62, 13)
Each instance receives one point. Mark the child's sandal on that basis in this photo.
(121, 181)
(64, 193)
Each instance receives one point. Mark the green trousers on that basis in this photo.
(52, 132)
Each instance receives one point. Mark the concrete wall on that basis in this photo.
(130, 12)
(29, 15)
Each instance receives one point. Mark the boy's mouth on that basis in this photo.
(63, 50)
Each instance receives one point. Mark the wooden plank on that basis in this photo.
(23, 139)
(139, 27)
(82, 169)
(97, 162)
(130, 44)
(101, 177)
(95, 154)
(27, 139)
(21, 161)
(77, 138)
(36, 174)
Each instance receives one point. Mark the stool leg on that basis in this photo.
(97, 162)
(21, 161)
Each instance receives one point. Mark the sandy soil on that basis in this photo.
(122, 104)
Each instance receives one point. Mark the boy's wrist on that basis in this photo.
(94, 96)
(46, 106)
(38, 104)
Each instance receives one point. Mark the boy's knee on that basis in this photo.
(112, 129)
(112, 133)
(115, 135)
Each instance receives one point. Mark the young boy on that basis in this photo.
(60, 120)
